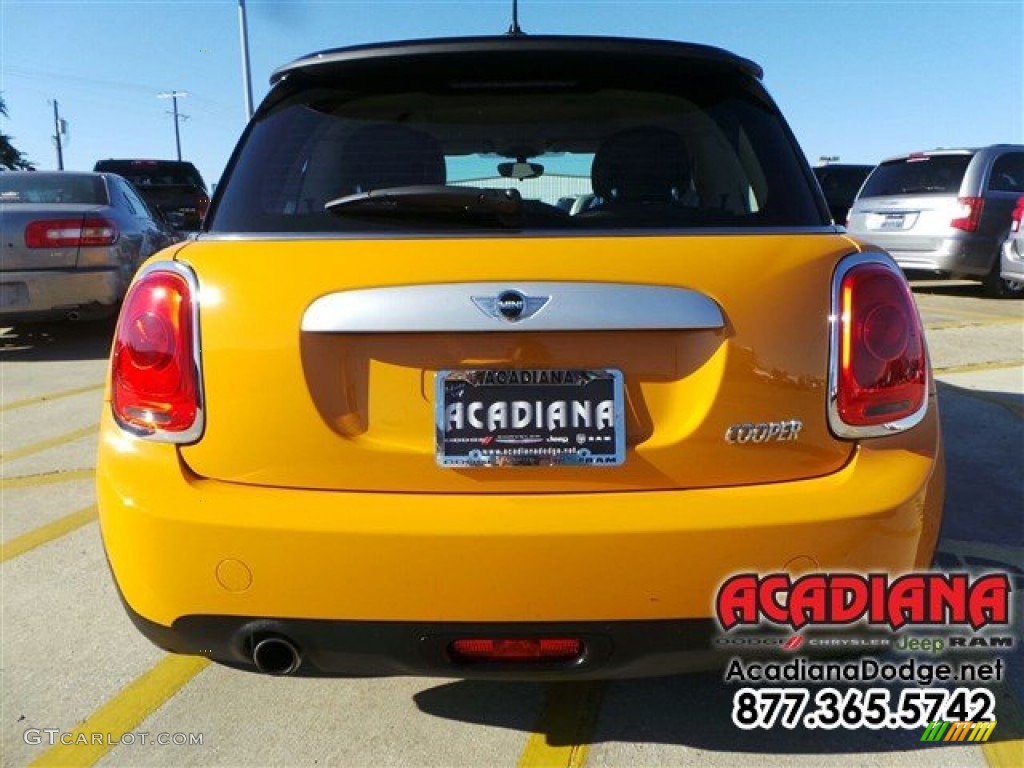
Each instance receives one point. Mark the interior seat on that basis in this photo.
(639, 174)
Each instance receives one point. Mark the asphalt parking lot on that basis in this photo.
(72, 662)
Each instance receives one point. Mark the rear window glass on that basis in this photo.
(52, 188)
(841, 183)
(928, 175)
(154, 173)
(688, 152)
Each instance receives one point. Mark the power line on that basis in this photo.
(39, 74)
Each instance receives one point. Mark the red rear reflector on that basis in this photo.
(969, 214)
(70, 233)
(1018, 214)
(154, 372)
(882, 367)
(517, 649)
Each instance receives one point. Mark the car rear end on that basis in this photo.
(62, 250)
(943, 212)
(175, 188)
(397, 435)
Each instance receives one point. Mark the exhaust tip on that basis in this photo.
(276, 656)
(74, 316)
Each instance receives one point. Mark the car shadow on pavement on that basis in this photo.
(984, 445)
(88, 340)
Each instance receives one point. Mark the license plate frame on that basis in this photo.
(522, 433)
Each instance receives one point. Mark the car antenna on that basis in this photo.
(513, 29)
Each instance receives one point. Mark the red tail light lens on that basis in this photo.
(969, 215)
(1018, 214)
(155, 377)
(880, 377)
(71, 233)
(517, 649)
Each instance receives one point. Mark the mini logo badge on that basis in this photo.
(511, 305)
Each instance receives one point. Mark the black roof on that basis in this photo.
(394, 52)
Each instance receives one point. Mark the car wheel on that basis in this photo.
(997, 287)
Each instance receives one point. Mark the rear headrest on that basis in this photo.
(642, 165)
(379, 156)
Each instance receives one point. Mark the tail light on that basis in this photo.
(1018, 214)
(155, 386)
(71, 233)
(969, 213)
(879, 366)
(551, 649)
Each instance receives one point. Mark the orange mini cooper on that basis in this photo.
(496, 357)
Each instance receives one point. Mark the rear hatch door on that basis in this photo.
(357, 409)
(907, 204)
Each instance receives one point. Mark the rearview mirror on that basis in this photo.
(520, 170)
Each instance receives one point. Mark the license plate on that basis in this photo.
(546, 417)
(887, 221)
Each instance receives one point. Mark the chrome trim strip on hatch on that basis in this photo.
(463, 307)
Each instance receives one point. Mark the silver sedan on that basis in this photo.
(70, 243)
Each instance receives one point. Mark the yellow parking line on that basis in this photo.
(42, 445)
(48, 397)
(1008, 751)
(46, 478)
(123, 713)
(952, 311)
(969, 367)
(19, 545)
(940, 325)
(562, 735)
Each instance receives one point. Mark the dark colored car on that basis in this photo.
(173, 187)
(71, 243)
(840, 183)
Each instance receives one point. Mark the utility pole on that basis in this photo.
(173, 95)
(246, 73)
(56, 136)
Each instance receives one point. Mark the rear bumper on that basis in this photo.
(618, 649)
(969, 258)
(959, 255)
(201, 562)
(54, 294)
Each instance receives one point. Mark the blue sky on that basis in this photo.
(861, 79)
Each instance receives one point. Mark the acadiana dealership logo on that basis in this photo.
(831, 599)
